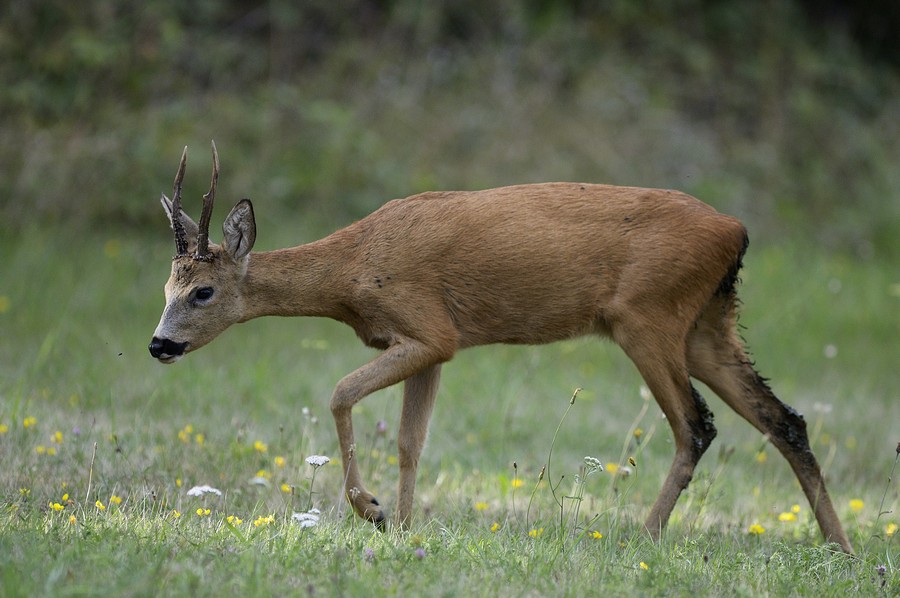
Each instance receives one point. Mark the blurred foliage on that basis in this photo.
(785, 113)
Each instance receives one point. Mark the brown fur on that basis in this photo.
(426, 276)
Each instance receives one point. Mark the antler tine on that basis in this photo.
(181, 243)
(208, 200)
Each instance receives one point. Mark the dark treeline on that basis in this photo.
(788, 109)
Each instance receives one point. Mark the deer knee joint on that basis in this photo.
(703, 430)
(343, 399)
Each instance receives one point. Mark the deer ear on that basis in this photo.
(190, 227)
(240, 230)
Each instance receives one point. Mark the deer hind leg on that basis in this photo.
(397, 363)
(419, 392)
(663, 367)
(716, 356)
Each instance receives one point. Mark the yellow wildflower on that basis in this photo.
(29, 422)
(115, 500)
(481, 506)
(234, 520)
(644, 566)
(795, 509)
(856, 505)
(200, 438)
(178, 482)
(57, 437)
(761, 457)
(51, 451)
(517, 483)
(72, 520)
(65, 497)
(786, 517)
(175, 514)
(392, 459)
(56, 506)
(890, 529)
(40, 449)
(262, 473)
(201, 512)
(536, 532)
(638, 432)
(100, 505)
(596, 535)
(4, 428)
(264, 520)
(260, 447)
(280, 461)
(612, 468)
(756, 529)
(495, 526)
(286, 488)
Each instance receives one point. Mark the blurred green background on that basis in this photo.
(785, 113)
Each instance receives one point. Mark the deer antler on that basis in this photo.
(181, 243)
(208, 199)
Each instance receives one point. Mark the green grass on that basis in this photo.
(76, 313)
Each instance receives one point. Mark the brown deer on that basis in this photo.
(426, 276)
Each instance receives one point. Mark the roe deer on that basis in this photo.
(426, 276)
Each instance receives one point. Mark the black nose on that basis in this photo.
(161, 348)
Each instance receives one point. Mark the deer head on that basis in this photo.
(203, 293)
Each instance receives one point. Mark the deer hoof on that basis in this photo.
(375, 514)
(368, 507)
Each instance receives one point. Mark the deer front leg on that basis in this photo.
(398, 362)
(419, 393)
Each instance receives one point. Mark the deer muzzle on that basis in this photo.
(165, 350)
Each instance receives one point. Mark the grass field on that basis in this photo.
(101, 444)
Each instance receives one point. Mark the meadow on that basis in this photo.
(778, 113)
(101, 445)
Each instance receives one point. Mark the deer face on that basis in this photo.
(203, 293)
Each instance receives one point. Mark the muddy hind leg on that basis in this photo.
(664, 370)
(716, 356)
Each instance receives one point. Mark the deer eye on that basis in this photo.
(203, 294)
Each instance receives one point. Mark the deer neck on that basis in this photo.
(300, 281)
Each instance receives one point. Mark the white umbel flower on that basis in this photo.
(308, 519)
(201, 490)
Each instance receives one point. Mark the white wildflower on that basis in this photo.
(317, 460)
(593, 464)
(308, 519)
(201, 490)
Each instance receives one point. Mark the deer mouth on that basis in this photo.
(166, 350)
